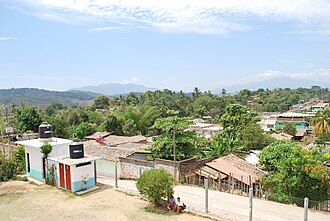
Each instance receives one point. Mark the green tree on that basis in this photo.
(131, 99)
(46, 149)
(101, 102)
(155, 184)
(112, 125)
(28, 118)
(129, 128)
(80, 131)
(143, 117)
(294, 173)
(74, 117)
(222, 147)
(59, 126)
(321, 122)
(7, 168)
(19, 158)
(235, 119)
(290, 128)
(173, 134)
(253, 137)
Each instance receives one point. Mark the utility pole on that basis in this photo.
(7, 131)
(174, 152)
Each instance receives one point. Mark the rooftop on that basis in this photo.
(292, 114)
(69, 161)
(281, 136)
(37, 143)
(237, 167)
(113, 152)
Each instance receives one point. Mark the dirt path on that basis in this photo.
(232, 207)
(25, 201)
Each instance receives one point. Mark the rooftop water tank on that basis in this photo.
(76, 150)
(45, 130)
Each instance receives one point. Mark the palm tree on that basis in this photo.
(321, 122)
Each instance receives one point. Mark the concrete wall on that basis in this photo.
(133, 168)
(107, 168)
(82, 177)
(60, 150)
(36, 163)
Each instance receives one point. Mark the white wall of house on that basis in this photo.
(36, 158)
(36, 163)
(60, 150)
(82, 173)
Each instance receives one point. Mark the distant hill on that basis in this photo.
(41, 98)
(279, 82)
(116, 89)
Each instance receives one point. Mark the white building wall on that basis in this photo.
(36, 163)
(82, 173)
(60, 150)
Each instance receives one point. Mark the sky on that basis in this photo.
(174, 44)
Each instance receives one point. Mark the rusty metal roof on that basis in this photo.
(236, 167)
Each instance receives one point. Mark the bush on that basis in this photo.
(7, 169)
(155, 184)
(19, 158)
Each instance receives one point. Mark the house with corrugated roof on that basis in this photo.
(231, 173)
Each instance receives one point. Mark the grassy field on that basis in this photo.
(24, 201)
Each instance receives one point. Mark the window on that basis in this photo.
(83, 164)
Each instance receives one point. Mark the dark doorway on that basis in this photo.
(28, 162)
(44, 167)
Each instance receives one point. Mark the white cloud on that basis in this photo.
(323, 74)
(7, 38)
(132, 80)
(270, 74)
(190, 16)
(107, 28)
(135, 78)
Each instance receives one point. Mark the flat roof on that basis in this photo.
(37, 143)
(69, 161)
(291, 114)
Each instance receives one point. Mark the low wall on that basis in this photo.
(133, 168)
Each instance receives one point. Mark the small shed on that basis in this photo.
(75, 174)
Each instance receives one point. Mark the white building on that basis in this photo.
(207, 130)
(72, 170)
(75, 174)
(268, 122)
(319, 107)
(35, 166)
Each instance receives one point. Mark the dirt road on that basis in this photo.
(25, 201)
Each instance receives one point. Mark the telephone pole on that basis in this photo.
(174, 152)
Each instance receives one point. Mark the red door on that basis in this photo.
(62, 176)
(68, 177)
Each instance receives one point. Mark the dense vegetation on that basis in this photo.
(295, 173)
(12, 163)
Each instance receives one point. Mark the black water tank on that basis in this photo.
(76, 150)
(45, 130)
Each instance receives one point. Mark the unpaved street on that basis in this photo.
(24, 201)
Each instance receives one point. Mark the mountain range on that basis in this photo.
(272, 83)
(113, 89)
(41, 98)
(84, 95)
